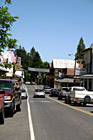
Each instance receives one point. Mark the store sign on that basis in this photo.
(80, 71)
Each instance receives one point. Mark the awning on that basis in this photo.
(3, 69)
(87, 76)
(65, 80)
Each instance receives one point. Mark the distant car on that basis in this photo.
(33, 83)
(47, 89)
(62, 94)
(23, 94)
(27, 83)
(39, 93)
(54, 92)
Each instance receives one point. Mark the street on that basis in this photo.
(50, 119)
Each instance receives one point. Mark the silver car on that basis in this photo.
(39, 93)
(23, 94)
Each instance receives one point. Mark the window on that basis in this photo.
(5, 85)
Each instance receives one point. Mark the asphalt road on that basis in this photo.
(50, 119)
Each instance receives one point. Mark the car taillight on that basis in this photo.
(77, 98)
(7, 97)
(61, 92)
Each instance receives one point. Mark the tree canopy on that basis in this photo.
(8, 1)
(30, 59)
(6, 21)
(80, 49)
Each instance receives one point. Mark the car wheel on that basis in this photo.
(2, 116)
(87, 99)
(58, 98)
(75, 103)
(18, 108)
(65, 101)
(69, 101)
(26, 97)
(84, 104)
(12, 109)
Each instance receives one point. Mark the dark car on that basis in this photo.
(47, 89)
(62, 94)
(12, 96)
(2, 107)
(54, 92)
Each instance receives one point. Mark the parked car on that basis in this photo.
(12, 96)
(47, 89)
(54, 92)
(2, 107)
(79, 95)
(23, 94)
(33, 83)
(62, 94)
(27, 83)
(39, 93)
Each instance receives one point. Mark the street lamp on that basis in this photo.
(74, 67)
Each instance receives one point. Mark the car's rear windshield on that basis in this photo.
(22, 90)
(5, 85)
(65, 89)
(47, 87)
(55, 89)
(38, 90)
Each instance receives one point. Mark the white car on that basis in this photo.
(27, 83)
(79, 95)
(39, 93)
(23, 94)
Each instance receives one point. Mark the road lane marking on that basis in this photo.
(35, 86)
(41, 101)
(81, 110)
(32, 135)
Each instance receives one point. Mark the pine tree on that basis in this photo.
(80, 49)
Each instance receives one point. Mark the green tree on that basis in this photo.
(11, 43)
(80, 49)
(8, 1)
(37, 62)
(31, 55)
(21, 52)
(32, 52)
(45, 64)
(6, 21)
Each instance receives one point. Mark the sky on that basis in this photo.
(52, 27)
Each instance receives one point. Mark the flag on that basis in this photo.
(15, 56)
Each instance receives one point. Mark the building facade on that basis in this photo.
(62, 73)
(87, 79)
